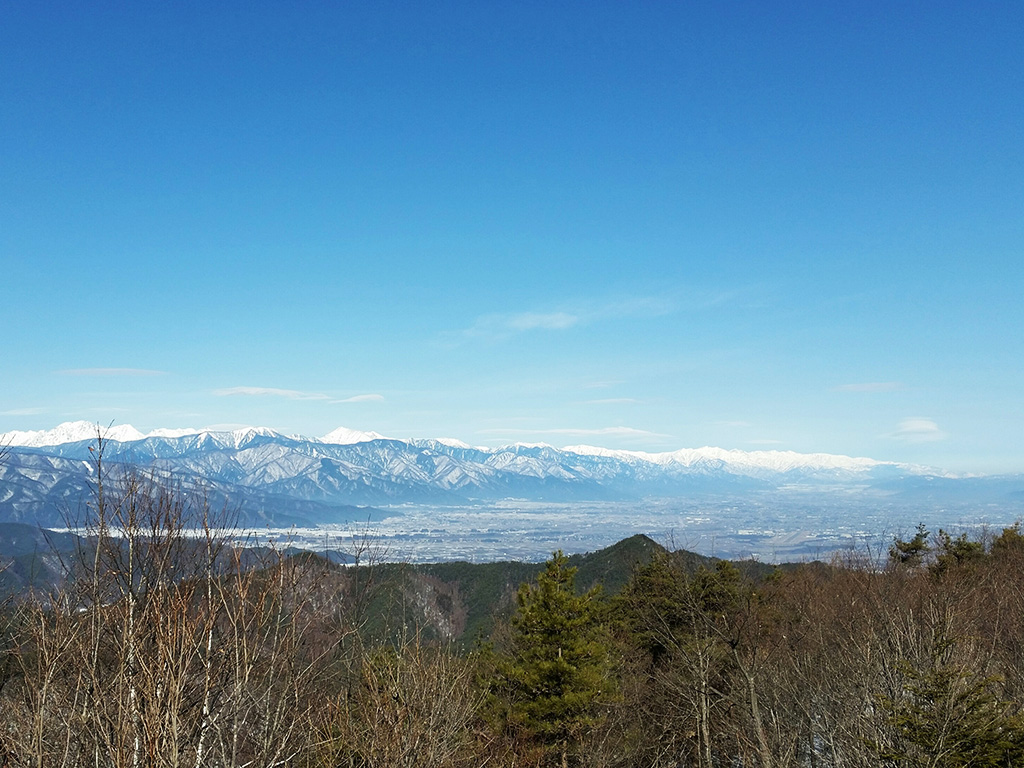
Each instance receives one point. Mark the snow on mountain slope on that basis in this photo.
(78, 431)
(69, 432)
(706, 457)
(239, 438)
(418, 463)
(736, 460)
(266, 473)
(452, 442)
(345, 436)
(174, 432)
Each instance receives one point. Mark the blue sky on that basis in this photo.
(640, 225)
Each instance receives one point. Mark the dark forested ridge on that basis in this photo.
(154, 647)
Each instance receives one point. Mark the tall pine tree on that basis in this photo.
(555, 675)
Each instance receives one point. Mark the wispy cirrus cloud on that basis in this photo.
(531, 321)
(499, 326)
(110, 372)
(609, 431)
(568, 315)
(294, 394)
(288, 394)
(24, 412)
(573, 432)
(372, 398)
(871, 386)
(578, 313)
(613, 401)
(918, 430)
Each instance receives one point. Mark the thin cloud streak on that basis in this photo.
(24, 412)
(918, 430)
(613, 401)
(110, 372)
(500, 326)
(600, 432)
(497, 326)
(294, 394)
(552, 321)
(374, 398)
(288, 394)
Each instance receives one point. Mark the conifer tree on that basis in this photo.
(910, 553)
(555, 675)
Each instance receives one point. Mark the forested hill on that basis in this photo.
(460, 601)
(446, 600)
(31, 556)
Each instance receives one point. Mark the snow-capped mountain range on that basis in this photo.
(274, 477)
(77, 431)
(778, 461)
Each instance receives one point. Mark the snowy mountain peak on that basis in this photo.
(239, 438)
(776, 461)
(452, 442)
(172, 433)
(77, 431)
(298, 478)
(749, 463)
(781, 461)
(70, 432)
(345, 436)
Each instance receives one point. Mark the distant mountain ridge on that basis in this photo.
(79, 431)
(297, 480)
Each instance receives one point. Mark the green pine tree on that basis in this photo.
(556, 673)
(910, 553)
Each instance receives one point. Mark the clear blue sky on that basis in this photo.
(639, 225)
